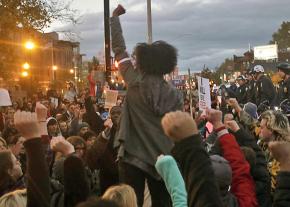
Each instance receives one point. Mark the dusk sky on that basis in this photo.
(203, 31)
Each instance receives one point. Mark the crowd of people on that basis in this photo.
(148, 150)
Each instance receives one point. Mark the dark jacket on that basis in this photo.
(92, 118)
(241, 94)
(101, 155)
(197, 172)
(282, 193)
(37, 174)
(251, 93)
(265, 91)
(259, 172)
(283, 91)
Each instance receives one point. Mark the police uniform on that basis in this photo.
(251, 93)
(284, 86)
(265, 91)
(241, 93)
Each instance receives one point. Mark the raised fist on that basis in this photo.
(41, 112)
(214, 117)
(59, 144)
(27, 124)
(119, 11)
(232, 125)
(108, 123)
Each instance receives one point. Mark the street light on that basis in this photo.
(54, 67)
(71, 71)
(26, 66)
(29, 45)
(24, 74)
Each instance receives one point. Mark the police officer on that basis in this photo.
(251, 93)
(284, 86)
(264, 87)
(241, 93)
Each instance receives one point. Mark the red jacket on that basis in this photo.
(92, 85)
(243, 186)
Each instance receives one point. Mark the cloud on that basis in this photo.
(203, 31)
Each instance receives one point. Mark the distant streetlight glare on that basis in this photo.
(71, 71)
(54, 67)
(26, 66)
(29, 45)
(24, 74)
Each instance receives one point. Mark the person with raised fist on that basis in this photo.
(141, 138)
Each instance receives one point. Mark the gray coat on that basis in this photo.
(148, 98)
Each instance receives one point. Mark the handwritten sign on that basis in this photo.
(204, 93)
(111, 98)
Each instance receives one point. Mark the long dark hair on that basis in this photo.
(5, 164)
(76, 185)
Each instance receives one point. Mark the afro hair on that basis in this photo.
(159, 58)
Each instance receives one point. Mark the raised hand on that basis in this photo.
(232, 125)
(119, 11)
(214, 117)
(108, 123)
(41, 112)
(59, 144)
(178, 125)
(27, 124)
(234, 104)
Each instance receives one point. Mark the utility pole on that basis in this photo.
(149, 22)
(107, 39)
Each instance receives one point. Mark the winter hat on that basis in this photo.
(222, 170)
(83, 124)
(51, 121)
(251, 109)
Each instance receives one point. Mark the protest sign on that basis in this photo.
(4, 98)
(111, 98)
(203, 93)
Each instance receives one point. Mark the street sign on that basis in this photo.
(266, 52)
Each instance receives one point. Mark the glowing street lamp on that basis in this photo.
(25, 66)
(24, 74)
(54, 67)
(71, 71)
(29, 45)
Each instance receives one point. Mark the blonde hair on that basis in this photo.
(17, 198)
(123, 195)
(278, 123)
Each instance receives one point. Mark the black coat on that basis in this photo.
(197, 172)
(265, 91)
(241, 94)
(37, 174)
(282, 192)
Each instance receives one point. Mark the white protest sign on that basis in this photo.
(203, 93)
(111, 98)
(54, 101)
(4, 98)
